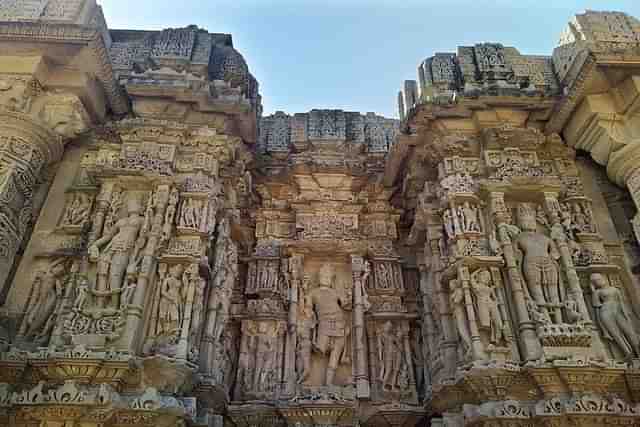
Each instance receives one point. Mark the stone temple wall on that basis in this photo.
(171, 257)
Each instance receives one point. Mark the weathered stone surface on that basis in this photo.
(169, 257)
(280, 132)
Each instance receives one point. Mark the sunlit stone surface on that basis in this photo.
(171, 257)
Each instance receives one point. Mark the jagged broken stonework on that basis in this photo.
(171, 257)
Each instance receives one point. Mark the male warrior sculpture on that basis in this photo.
(331, 330)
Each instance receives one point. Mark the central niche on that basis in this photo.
(324, 350)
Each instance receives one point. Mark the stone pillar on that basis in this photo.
(359, 268)
(433, 258)
(428, 327)
(295, 267)
(26, 148)
(476, 343)
(558, 235)
(149, 261)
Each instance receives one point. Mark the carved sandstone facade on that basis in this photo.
(171, 257)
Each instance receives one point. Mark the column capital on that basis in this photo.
(19, 128)
(623, 166)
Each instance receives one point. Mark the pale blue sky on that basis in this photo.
(355, 54)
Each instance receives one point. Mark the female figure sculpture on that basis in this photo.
(170, 316)
(47, 292)
(613, 317)
(489, 315)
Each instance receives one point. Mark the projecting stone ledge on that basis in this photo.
(486, 69)
(279, 132)
(494, 70)
(188, 63)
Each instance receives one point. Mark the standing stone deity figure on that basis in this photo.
(170, 306)
(579, 218)
(48, 289)
(613, 317)
(459, 213)
(456, 298)
(470, 216)
(120, 249)
(226, 351)
(447, 221)
(303, 352)
(225, 275)
(304, 330)
(390, 355)
(539, 265)
(489, 316)
(284, 279)
(81, 294)
(247, 351)
(417, 356)
(190, 213)
(265, 356)
(384, 276)
(191, 277)
(170, 214)
(127, 293)
(331, 331)
(588, 212)
(272, 276)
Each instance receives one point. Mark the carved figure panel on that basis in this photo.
(45, 304)
(324, 328)
(392, 365)
(261, 350)
(323, 225)
(614, 317)
(78, 210)
(386, 277)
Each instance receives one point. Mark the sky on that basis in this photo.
(355, 54)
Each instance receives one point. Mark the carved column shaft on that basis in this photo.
(183, 343)
(103, 202)
(218, 301)
(434, 233)
(557, 234)
(529, 339)
(362, 381)
(25, 149)
(428, 326)
(295, 265)
(408, 359)
(476, 342)
(148, 266)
